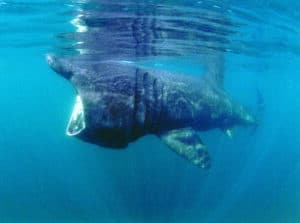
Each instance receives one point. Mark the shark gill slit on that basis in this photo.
(146, 101)
(134, 113)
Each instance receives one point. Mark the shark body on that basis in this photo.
(119, 102)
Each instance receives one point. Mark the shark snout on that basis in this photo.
(60, 66)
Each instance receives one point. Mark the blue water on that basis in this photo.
(46, 176)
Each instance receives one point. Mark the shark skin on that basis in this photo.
(122, 102)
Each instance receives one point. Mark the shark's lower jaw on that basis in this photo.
(77, 120)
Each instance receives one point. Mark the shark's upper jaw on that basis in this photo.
(77, 120)
(61, 66)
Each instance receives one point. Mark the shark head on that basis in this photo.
(77, 121)
(102, 111)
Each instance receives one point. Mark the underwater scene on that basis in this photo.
(150, 111)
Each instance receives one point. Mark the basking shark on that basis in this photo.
(118, 102)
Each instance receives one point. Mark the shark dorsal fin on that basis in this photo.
(214, 67)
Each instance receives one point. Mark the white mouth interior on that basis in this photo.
(76, 123)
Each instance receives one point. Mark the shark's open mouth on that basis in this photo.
(77, 122)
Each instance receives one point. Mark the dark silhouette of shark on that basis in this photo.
(119, 102)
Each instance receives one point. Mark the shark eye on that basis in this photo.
(77, 122)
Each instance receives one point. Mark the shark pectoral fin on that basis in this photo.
(187, 144)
